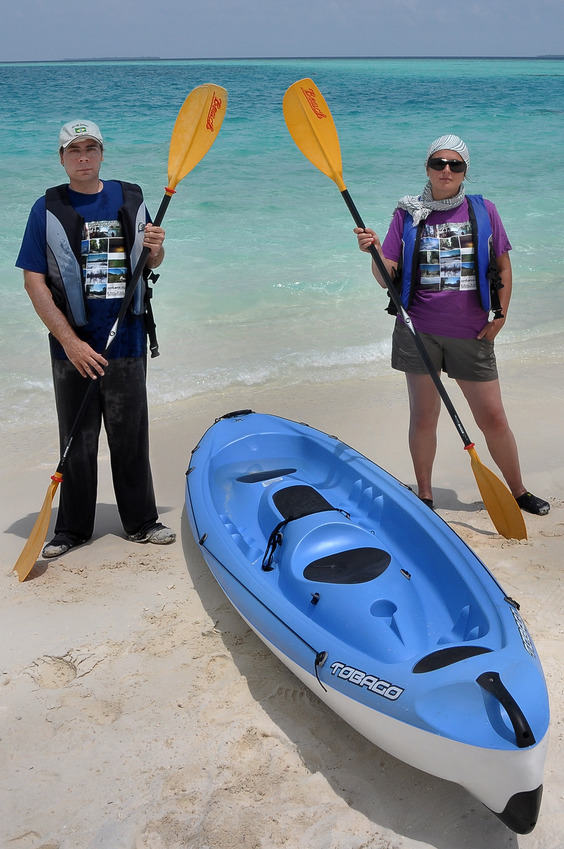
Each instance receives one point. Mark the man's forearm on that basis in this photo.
(45, 307)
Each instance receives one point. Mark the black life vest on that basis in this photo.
(64, 229)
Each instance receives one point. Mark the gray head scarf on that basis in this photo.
(421, 206)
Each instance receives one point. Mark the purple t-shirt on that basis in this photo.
(446, 300)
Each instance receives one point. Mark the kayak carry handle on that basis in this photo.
(492, 683)
(236, 414)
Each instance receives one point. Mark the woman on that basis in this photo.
(448, 253)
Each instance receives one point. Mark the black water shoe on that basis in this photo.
(531, 504)
(428, 501)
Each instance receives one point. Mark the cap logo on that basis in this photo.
(81, 129)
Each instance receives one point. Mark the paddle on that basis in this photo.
(194, 132)
(311, 125)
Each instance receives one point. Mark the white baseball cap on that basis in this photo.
(79, 130)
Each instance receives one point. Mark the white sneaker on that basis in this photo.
(158, 534)
(60, 544)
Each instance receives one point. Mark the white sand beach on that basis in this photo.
(138, 711)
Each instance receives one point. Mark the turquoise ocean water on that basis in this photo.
(263, 279)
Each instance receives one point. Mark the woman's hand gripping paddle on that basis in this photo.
(311, 125)
(194, 132)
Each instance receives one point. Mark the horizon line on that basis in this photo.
(558, 56)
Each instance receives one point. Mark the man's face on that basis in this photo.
(81, 160)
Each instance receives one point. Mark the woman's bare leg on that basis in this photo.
(484, 399)
(424, 407)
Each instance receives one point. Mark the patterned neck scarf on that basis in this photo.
(421, 206)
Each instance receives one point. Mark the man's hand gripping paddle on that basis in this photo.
(311, 125)
(194, 132)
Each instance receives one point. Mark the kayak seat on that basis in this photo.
(350, 566)
(293, 502)
(356, 566)
(446, 657)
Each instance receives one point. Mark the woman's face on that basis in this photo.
(445, 183)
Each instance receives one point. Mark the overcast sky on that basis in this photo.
(74, 29)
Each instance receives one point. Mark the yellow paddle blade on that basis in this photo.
(311, 125)
(32, 548)
(195, 130)
(504, 511)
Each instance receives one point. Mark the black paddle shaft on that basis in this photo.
(127, 298)
(394, 295)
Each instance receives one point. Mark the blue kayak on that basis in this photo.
(374, 602)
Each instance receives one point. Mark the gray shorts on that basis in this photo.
(461, 359)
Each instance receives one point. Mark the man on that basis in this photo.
(80, 246)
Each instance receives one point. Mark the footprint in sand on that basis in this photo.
(217, 667)
(53, 672)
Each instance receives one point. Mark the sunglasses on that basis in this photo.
(455, 165)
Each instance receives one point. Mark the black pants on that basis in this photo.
(120, 401)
